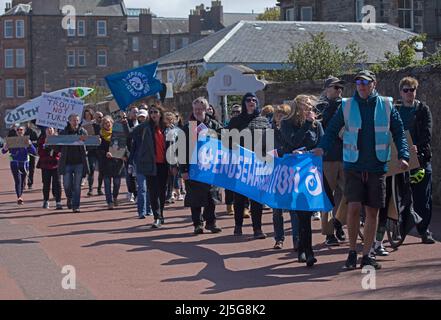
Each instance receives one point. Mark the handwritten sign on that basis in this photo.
(118, 144)
(17, 142)
(89, 128)
(55, 111)
(73, 140)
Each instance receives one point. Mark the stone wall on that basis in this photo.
(276, 93)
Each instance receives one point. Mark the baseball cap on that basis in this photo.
(142, 113)
(366, 75)
(332, 81)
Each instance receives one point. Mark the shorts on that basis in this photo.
(366, 187)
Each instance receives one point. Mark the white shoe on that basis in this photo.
(129, 196)
(181, 197)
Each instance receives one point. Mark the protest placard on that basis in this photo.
(89, 128)
(17, 142)
(118, 144)
(73, 140)
(55, 111)
(394, 163)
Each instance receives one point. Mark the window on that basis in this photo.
(82, 82)
(184, 42)
(155, 44)
(19, 28)
(306, 13)
(172, 44)
(9, 58)
(135, 44)
(135, 63)
(289, 14)
(101, 28)
(358, 8)
(70, 29)
(81, 28)
(71, 58)
(9, 29)
(81, 58)
(19, 58)
(405, 14)
(9, 88)
(20, 88)
(72, 83)
(102, 58)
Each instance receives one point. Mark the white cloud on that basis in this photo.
(181, 8)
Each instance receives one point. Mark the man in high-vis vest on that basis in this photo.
(369, 121)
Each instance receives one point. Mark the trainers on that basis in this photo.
(110, 206)
(90, 193)
(213, 228)
(369, 261)
(77, 210)
(381, 251)
(157, 224)
(278, 245)
(301, 257)
(259, 235)
(169, 201)
(237, 231)
(45, 204)
(331, 241)
(100, 193)
(59, 206)
(20, 201)
(180, 197)
(246, 213)
(351, 261)
(316, 216)
(132, 198)
(198, 230)
(29, 186)
(339, 233)
(115, 202)
(310, 260)
(427, 238)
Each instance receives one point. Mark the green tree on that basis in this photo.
(270, 14)
(318, 59)
(98, 95)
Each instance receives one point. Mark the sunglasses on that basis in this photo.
(338, 88)
(251, 100)
(20, 130)
(363, 82)
(406, 90)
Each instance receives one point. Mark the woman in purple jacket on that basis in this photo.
(20, 163)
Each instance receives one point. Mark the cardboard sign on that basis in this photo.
(90, 129)
(118, 144)
(393, 164)
(17, 142)
(55, 111)
(73, 140)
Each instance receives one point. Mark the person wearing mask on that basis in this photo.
(200, 195)
(327, 107)
(19, 163)
(251, 120)
(73, 163)
(49, 157)
(369, 121)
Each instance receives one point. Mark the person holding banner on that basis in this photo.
(73, 164)
(19, 163)
(200, 195)
(250, 120)
(368, 120)
(48, 163)
(112, 167)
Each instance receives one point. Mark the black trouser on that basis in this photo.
(422, 201)
(208, 215)
(170, 185)
(31, 170)
(48, 176)
(157, 188)
(256, 211)
(305, 232)
(383, 214)
(100, 174)
(92, 165)
(131, 180)
(229, 197)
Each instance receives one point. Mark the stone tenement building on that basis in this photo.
(39, 55)
(415, 15)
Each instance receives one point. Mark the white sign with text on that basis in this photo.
(55, 111)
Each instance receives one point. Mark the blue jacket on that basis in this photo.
(21, 154)
(367, 160)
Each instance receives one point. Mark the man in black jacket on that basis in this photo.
(417, 118)
(33, 136)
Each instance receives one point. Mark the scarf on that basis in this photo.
(106, 135)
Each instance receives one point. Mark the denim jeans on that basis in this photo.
(279, 231)
(143, 200)
(108, 188)
(72, 183)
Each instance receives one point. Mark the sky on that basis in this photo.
(181, 8)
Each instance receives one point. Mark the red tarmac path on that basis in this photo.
(117, 256)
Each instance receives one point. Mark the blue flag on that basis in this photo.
(294, 182)
(132, 85)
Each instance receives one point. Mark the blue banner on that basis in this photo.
(293, 182)
(132, 85)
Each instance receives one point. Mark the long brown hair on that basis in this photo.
(161, 110)
(297, 113)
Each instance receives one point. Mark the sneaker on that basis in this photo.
(310, 260)
(339, 233)
(45, 204)
(157, 224)
(77, 210)
(181, 197)
(213, 228)
(301, 257)
(58, 206)
(332, 241)
(115, 202)
(237, 231)
(89, 194)
(83, 182)
(369, 261)
(69, 203)
(169, 201)
(246, 213)
(316, 216)
(20, 201)
(278, 245)
(351, 261)
(381, 251)
(149, 214)
(129, 196)
(259, 235)
(141, 217)
(230, 210)
(132, 198)
(29, 186)
(100, 193)
(427, 238)
(198, 230)
(110, 206)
